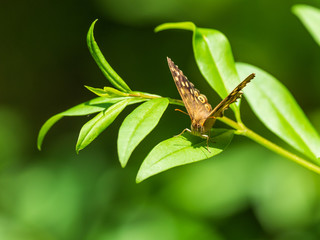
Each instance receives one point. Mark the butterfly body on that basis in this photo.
(200, 111)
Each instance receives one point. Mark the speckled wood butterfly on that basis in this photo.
(200, 111)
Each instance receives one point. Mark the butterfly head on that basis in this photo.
(201, 127)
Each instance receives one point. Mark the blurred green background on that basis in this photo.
(246, 192)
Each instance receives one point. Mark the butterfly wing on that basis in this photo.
(231, 98)
(196, 103)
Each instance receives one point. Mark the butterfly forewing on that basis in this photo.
(196, 103)
(231, 98)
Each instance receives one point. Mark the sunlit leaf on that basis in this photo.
(93, 106)
(104, 66)
(138, 125)
(183, 150)
(310, 17)
(99, 123)
(107, 92)
(278, 110)
(214, 58)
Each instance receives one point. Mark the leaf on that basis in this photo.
(138, 125)
(214, 58)
(93, 106)
(104, 66)
(99, 123)
(183, 150)
(107, 92)
(278, 110)
(46, 127)
(310, 18)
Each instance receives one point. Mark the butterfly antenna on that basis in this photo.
(178, 110)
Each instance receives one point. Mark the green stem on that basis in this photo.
(243, 130)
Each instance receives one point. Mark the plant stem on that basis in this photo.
(243, 130)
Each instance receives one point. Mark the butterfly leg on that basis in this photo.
(211, 139)
(208, 138)
(186, 129)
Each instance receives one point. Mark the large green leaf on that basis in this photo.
(214, 58)
(278, 110)
(99, 123)
(138, 125)
(310, 17)
(104, 66)
(183, 150)
(93, 106)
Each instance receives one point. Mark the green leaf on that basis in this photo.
(93, 106)
(310, 18)
(214, 58)
(107, 92)
(183, 150)
(138, 125)
(104, 66)
(278, 110)
(46, 127)
(99, 123)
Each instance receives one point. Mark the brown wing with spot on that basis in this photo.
(231, 98)
(196, 103)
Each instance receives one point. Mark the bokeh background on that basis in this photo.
(246, 192)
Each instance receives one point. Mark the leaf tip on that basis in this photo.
(39, 146)
(78, 148)
(158, 28)
(139, 179)
(39, 142)
(88, 87)
(123, 158)
(93, 23)
(144, 174)
(295, 8)
(90, 36)
(123, 162)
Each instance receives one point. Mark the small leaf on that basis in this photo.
(310, 18)
(138, 125)
(183, 150)
(93, 106)
(99, 123)
(107, 92)
(278, 110)
(104, 66)
(177, 25)
(85, 108)
(46, 127)
(214, 58)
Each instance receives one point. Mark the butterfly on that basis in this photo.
(200, 111)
